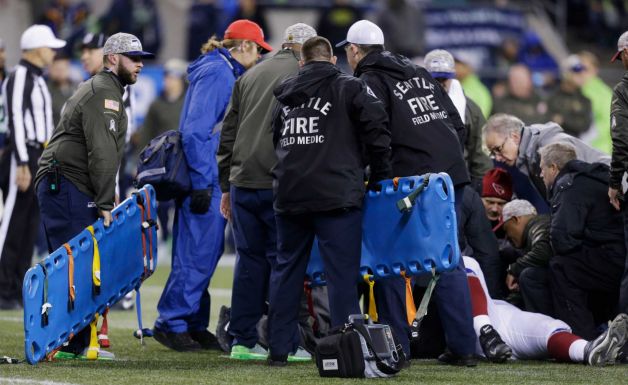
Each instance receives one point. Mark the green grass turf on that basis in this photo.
(154, 364)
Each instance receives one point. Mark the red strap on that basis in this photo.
(71, 289)
(310, 303)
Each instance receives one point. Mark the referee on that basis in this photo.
(29, 116)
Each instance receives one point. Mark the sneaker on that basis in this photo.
(241, 352)
(181, 342)
(102, 355)
(494, 348)
(604, 349)
(222, 334)
(449, 358)
(301, 355)
(206, 339)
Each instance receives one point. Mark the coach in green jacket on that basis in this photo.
(245, 158)
(619, 159)
(77, 171)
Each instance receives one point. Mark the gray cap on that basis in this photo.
(176, 67)
(125, 43)
(298, 33)
(517, 208)
(573, 63)
(440, 64)
(622, 43)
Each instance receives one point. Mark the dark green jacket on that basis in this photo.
(572, 109)
(619, 132)
(246, 153)
(478, 162)
(537, 247)
(531, 110)
(163, 115)
(88, 142)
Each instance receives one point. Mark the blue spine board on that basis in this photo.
(121, 267)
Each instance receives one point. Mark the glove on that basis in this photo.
(373, 185)
(199, 202)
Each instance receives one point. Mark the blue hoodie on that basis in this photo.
(211, 78)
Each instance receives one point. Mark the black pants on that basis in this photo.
(574, 278)
(534, 286)
(18, 228)
(339, 236)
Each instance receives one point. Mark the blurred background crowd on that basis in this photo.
(538, 60)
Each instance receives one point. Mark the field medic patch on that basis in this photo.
(112, 105)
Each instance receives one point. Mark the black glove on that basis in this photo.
(373, 185)
(199, 203)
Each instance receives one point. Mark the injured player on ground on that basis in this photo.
(505, 331)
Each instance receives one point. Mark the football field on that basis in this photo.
(154, 364)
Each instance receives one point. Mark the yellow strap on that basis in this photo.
(92, 352)
(410, 307)
(372, 307)
(95, 259)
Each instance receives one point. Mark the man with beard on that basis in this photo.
(76, 179)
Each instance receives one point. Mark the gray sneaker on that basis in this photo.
(301, 355)
(604, 349)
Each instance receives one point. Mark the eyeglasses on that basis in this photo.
(498, 150)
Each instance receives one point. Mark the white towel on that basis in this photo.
(457, 96)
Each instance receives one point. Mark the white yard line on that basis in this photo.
(8, 380)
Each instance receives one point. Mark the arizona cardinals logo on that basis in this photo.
(498, 188)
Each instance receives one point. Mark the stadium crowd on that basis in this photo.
(277, 142)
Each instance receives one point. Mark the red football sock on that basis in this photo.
(558, 345)
(478, 297)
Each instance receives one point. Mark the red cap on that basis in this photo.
(497, 183)
(247, 30)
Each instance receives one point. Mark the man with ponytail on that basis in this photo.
(198, 233)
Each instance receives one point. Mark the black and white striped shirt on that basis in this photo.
(28, 108)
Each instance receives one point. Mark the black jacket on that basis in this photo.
(536, 245)
(583, 220)
(323, 121)
(426, 128)
(619, 132)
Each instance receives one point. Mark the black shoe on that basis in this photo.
(206, 339)
(222, 334)
(278, 360)
(494, 348)
(181, 342)
(450, 358)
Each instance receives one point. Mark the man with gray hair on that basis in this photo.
(513, 143)
(245, 158)
(586, 234)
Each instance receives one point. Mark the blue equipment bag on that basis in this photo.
(162, 164)
(55, 309)
(398, 233)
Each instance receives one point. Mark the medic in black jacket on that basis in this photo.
(427, 136)
(323, 122)
(426, 128)
(324, 119)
